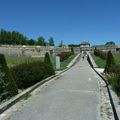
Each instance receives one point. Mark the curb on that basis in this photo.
(73, 61)
(92, 62)
(6, 105)
(107, 86)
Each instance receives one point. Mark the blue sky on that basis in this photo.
(72, 21)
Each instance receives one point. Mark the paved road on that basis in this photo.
(74, 96)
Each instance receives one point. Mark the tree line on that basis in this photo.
(16, 38)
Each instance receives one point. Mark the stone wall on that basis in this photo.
(11, 50)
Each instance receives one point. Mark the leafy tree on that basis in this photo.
(61, 43)
(3, 36)
(31, 42)
(74, 45)
(110, 62)
(41, 41)
(8, 37)
(111, 43)
(51, 41)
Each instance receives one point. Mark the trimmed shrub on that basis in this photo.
(114, 80)
(3, 87)
(72, 50)
(48, 61)
(27, 75)
(8, 86)
(96, 52)
(115, 69)
(47, 58)
(110, 63)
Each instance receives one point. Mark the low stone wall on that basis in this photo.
(91, 61)
(74, 61)
(11, 50)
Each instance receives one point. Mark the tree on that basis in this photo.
(109, 63)
(3, 36)
(41, 41)
(61, 43)
(111, 43)
(8, 37)
(51, 41)
(74, 45)
(31, 42)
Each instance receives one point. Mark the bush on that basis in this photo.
(8, 87)
(27, 75)
(114, 80)
(115, 69)
(3, 87)
(72, 50)
(110, 63)
(96, 52)
(48, 61)
(64, 55)
(103, 55)
(100, 54)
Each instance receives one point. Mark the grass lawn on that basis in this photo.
(12, 61)
(66, 62)
(63, 64)
(101, 63)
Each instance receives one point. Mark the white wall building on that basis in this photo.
(85, 46)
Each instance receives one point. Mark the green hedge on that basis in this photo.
(64, 55)
(47, 60)
(114, 80)
(100, 54)
(27, 75)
